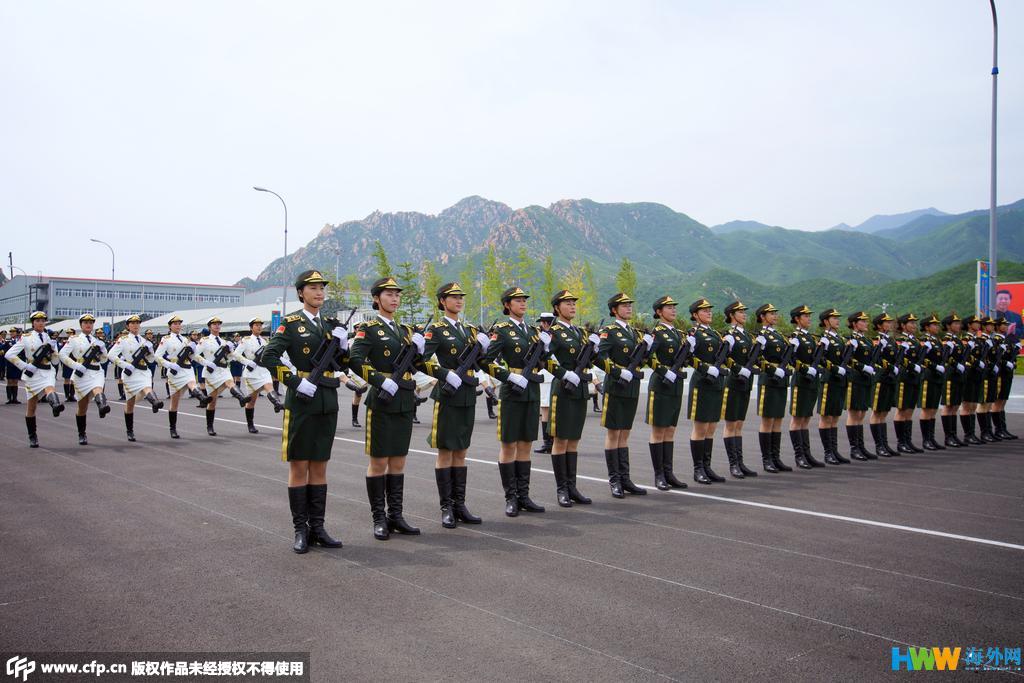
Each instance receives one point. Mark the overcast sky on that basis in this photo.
(147, 124)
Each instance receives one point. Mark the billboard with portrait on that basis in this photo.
(1010, 304)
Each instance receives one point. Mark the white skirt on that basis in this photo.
(257, 379)
(179, 381)
(84, 385)
(545, 389)
(217, 378)
(39, 381)
(137, 382)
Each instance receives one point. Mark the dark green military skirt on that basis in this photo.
(771, 400)
(452, 427)
(737, 400)
(705, 401)
(518, 420)
(858, 396)
(831, 399)
(663, 409)
(1005, 382)
(907, 395)
(307, 436)
(972, 390)
(618, 412)
(802, 398)
(884, 397)
(953, 391)
(388, 434)
(931, 393)
(992, 389)
(566, 416)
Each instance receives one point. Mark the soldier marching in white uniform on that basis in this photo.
(85, 354)
(255, 377)
(171, 355)
(35, 355)
(133, 353)
(211, 355)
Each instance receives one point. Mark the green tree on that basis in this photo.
(431, 282)
(586, 307)
(470, 280)
(523, 272)
(548, 278)
(494, 283)
(353, 291)
(380, 257)
(412, 296)
(625, 279)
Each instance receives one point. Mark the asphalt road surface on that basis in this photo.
(165, 545)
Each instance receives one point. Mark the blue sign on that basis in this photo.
(984, 288)
(106, 330)
(275, 321)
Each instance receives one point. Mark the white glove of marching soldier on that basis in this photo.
(825, 342)
(545, 339)
(841, 370)
(419, 342)
(626, 375)
(811, 372)
(483, 340)
(960, 368)
(341, 334)
(389, 386)
(77, 367)
(730, 340)
(670, 376)
(779, 373)
(518, 380)
(917, 369)
(761, 340)
(941, 369)
(692, 341)
(870, 369)
(649, 340)
(713, 371)
(595, 340)
(306, 388)
(572, 378)
(744, 373)
(453, 379)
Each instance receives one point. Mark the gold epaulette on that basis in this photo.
(292, 318)
(504, 323)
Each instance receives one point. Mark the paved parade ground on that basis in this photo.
(185, 545)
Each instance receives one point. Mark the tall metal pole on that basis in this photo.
(284, 300)
(91, 239)
(992, 233)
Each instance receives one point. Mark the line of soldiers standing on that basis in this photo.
(965, 370)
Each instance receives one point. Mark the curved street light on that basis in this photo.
(93, 239)
(284, 300)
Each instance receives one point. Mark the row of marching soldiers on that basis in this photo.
(36, 356)
(969, 369)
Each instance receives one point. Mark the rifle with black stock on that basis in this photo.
(467, 361)
(403, 364)
(636, 359)
(585, 359)
(326, 360)
(90, 357)
(533, 356)
(41, 357)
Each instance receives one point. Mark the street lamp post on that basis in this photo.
(24, 275)
(93, 239)
(993, 278)
(284, 301)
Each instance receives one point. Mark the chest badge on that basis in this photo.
(305, 350)
(453, 351)
(517, 350)
(618, 334)
(445, 333)
(301, 329)
(380, 333)
(387, 352)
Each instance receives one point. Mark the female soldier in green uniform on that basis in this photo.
(771, 390)
(884, 395)
(665, 393)
(803, 389)
(933, 380)
(388, 430)
(832, 389)
(737, 391)
(953, 392)
(618, 342)
(454, 403)
(858, 386)
(519, 404)
(707, 390)
(1009, 365)
(569, 393)
(310, 410)
(909, 387)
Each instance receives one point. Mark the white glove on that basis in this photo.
(713, 371)
(841, 370)
(595, 340)
(970, 344)
(883, 341)
(29, 369)
(928, 345)
(917, 369)
(341, 334)
(483, 340)
(761, 340)
(895, 372)
(825, 342)
(795, 342)
(981, 365)
(77, 366)
(291, 368)
(626, 375)
(989, 342)
(950, 344)
(453, 379)
(173, 367)
(419, 342)
(518, 380)
(251, 367)
(127, 372)
(729, 339)
(941, 369)
(870, 369)
(995, 369)
(649, 340)
(670, 376)
(744, 373)
(854, 343)
(572, 378)
(389, 386)
(306, 388)
(779, 372)
(545, 338)
(210, 367)
(692, 342)
(811, 372)
(960, 368)
(1010, 365)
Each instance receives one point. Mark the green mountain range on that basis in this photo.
(674, 253)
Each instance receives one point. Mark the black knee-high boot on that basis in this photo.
(708, 446)
(153, 401)
(658, 463)
(548, 440)
(668, 466)
(355, 417)
(129, 425)
(805, 440)
(697, 454)
(316, 497)
(571, 460)
(30, 425)
(777, 453)
(80, 422)
(275, 401)
(250, 416)
(507, 471)
(737, 447)
(462, 513)
(627, 484)
(764, 440)
(203, 399)
(522, 470)
(378, 506)
(239, 396)
(55, 405)
(299, 505)
(611, 459)
(394, 485)
(101, 404)
(172, 421)
(209, 422)
(796, 438)
(443, 477)
(561, 480)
